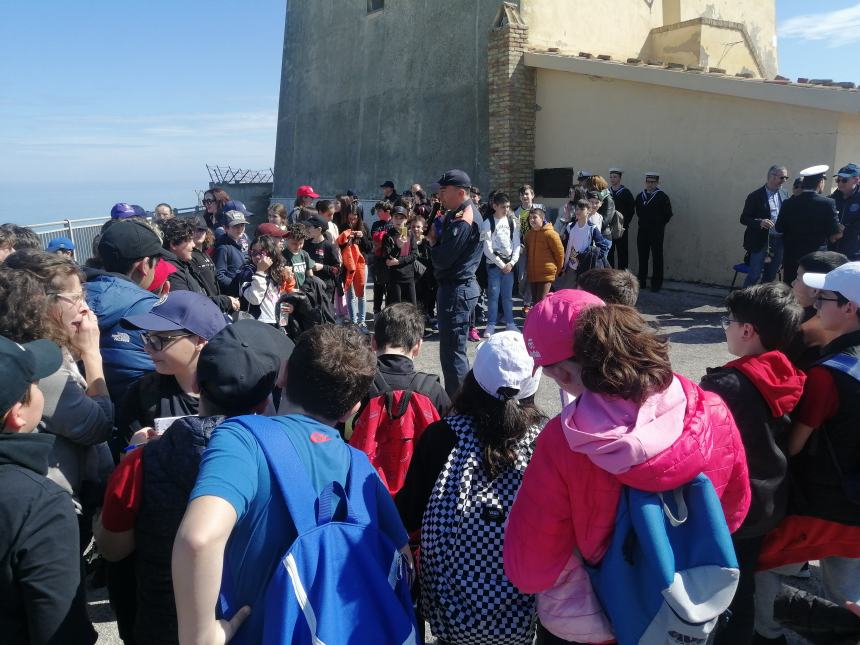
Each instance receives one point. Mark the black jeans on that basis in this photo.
(740, 627)
(545, 638)
(401, 292)
(620, 251)
(650, 242)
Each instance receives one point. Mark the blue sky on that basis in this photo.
(121, 100)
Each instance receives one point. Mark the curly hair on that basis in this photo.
(620, 354)
(297, 231)
(26, 296)
(499, 425)
(176, 231)
(23, 304)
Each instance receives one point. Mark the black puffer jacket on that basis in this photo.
(760, 391)
(170, 467)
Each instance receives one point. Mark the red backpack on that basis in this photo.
(390, 424)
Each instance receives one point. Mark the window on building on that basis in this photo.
(375, 5)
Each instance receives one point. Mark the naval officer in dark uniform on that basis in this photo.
(654, 209)
(456, 255)
(807, 221)
(625, 203)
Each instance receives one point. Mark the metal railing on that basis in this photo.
(84, 231)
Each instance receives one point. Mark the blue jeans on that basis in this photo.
(758, 264)
(499, 285)
(454, 305)
(355, 306)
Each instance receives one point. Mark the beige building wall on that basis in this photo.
(710, 149)
(847, 146)
(758, 16)
(620, 28)
(614, 27)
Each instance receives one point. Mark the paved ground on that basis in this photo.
(688, 314)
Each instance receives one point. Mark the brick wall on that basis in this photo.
(512, 90)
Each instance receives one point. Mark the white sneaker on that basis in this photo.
(489, 331)
(512, 328)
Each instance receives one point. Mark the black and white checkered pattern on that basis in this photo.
(466, 597)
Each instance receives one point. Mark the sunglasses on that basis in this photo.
(160, 342)
(208, 201)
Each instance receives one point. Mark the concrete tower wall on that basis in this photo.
(397, 94)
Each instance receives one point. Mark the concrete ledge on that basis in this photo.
(833, 99)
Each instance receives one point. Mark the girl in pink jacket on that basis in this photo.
(634, 423)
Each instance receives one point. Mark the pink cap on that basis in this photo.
(306, 191)
(549, 327)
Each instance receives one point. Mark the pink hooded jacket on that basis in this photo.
(565, 509)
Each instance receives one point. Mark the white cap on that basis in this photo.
(651, 173)
(844, 279)
(616, 170)
(504, 362)
(814, 170)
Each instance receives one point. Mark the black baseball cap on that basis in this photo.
(238, 367)
(316, 222)
(387, 184)
(23, 365)
(129, 240)
(456, 178)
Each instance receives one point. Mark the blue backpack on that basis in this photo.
(342, 580)
(670, 570)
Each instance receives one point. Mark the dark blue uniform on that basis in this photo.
(455, 260)
(849, 217)
(806, 222)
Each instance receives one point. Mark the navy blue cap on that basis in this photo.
(139, 211)
(236, 205)
(351, 193)
(387, 184)
(316, 222)
(181, 310)
(23, 365)
(60, 244)
(456, 178)
(849, 171)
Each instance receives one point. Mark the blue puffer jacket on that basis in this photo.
(229, 259)
(112, 297)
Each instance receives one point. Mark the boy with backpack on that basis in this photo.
(148, 492)
(824, 521)
(501, 236)
(240, 535)
(386, 427)
(760, 387)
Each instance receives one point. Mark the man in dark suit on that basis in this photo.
(760, 213)
(654, 209)
(807, 221)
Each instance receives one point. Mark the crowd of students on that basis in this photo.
(183, 415)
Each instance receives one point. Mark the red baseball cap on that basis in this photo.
(549, 327)
(272, 230)
(306, 191)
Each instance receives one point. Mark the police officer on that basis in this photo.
(456, 254)
(807, 221)
(847, 198)
(654, 209)
(625, 203)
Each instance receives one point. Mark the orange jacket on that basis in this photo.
(353, 263)
(545, 254)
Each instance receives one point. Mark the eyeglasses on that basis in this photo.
(160, 342)
(206, 200)
(783, 178)
(202, 229)
(75, 299)
(726, 322)
(257, 253)
(819, 299)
